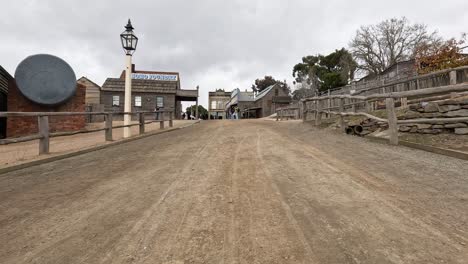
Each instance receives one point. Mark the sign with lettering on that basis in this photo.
(155, 77)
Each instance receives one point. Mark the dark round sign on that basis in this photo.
(45, 79)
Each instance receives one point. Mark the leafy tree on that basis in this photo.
(202, 112)
(324, 72)
(376, 47)
(434, 57)
(261, 84)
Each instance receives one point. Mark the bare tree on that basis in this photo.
(376, 47)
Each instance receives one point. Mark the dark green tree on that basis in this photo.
(202, 112)
(325, 72)
(261, 84)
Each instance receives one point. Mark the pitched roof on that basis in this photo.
(264, 92)
(4, 78)
(147, 86)
(85, 78)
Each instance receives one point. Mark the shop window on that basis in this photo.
(115, 100)
(138, 101)
(213, 105)
(159, 101)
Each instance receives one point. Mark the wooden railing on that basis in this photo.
(44, 134)
(288, 112)
(317, 107)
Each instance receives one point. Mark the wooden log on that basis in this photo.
(141, 119)
(161, 124)
(392, 121)
(304, 111)
(43, 124)
(342, 121)
(108, 133)
(20, 139)
(71, 133)
(318, 113)
(433, 120)
(360, 114)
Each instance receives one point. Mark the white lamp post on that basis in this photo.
(129, 43)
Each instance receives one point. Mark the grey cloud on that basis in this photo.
(212, 43)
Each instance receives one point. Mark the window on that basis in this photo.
(213, 105)
(138, 101)
(115, 100)
(159, 101)
(221, 104)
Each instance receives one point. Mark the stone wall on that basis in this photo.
(440, 109)
(22, 126)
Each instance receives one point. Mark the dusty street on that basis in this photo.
(250, 191)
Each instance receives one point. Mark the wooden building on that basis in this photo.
(93, 91)
(267, 101)
(239, 102)
(216, 102)
(151, 90)
(5, 79)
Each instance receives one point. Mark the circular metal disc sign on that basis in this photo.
(45, 79)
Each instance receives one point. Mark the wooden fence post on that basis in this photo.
(161, 123)
(341, 110)
(43, 125)
(108, 131)
(453, 77)
(392, 121)
(171, 118)
(304, 111)
(353, 106)
(277, 115)
(318, 113)
(141, 118)
(281, 115)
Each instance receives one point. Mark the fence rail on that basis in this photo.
(44, 134)
(318, 107)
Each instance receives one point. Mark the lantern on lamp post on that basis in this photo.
(129, 44)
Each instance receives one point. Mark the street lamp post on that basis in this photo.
(129, 43)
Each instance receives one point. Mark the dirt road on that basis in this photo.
(239, 192)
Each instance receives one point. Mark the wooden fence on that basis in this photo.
(318, 107)
(44, 134)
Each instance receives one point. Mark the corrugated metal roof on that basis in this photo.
(264, 92)
(4, 78)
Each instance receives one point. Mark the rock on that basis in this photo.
(464, 106)
(412, 115)
(430, 131)
(438, 126)
(404, 128)
(450, 102)
(431, 108)
(414, 107)
(432, 115)
(456, 125)
(423, 126)
(457, 113)
(414, 129)
(446, 108)
(461, 131)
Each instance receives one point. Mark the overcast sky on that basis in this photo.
(212, 43)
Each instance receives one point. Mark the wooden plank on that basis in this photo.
(20, 139)
(43, 125)
(141, 118)
(342, 121)
(433, 120)
(108, 133)
(318, 113)
(392, 121)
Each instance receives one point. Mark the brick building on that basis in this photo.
(21, 126)
(150, 90)
(216, 102)
(5, 78)
(267, 101)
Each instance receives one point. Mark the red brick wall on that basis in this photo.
(21, 126)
